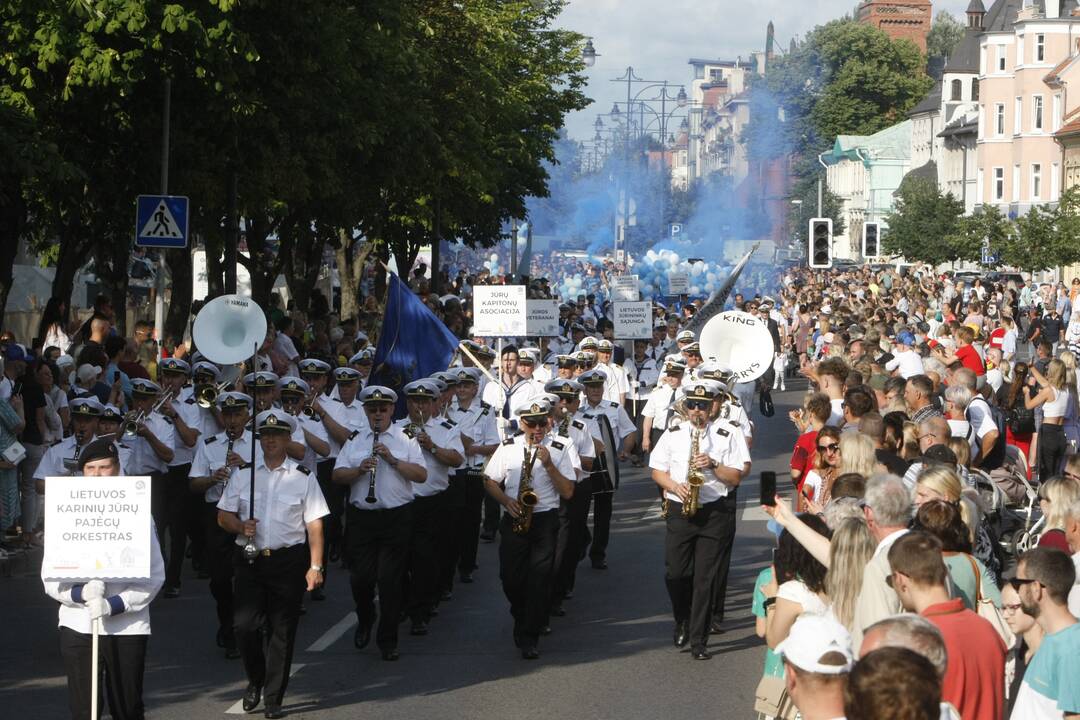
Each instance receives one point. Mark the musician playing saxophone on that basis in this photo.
(697, 542)
(531, 462)
(377, 533)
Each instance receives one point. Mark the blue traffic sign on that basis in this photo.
(161, 221)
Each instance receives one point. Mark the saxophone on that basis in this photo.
(694, 477)
(526, 495)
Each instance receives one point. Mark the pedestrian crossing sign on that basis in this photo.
(161, 221)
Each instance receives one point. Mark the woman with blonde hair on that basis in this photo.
(942, 482)
(1053, 398)
(857, 454)
(910, 450)
(826, 467)
(851, 548)
(1056, 496)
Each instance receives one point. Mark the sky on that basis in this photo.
(657, 37)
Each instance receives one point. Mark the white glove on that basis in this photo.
(99, 608)
(93, 590)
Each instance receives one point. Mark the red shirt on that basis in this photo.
(975, 676)
(802, 459)
(969, 357)
(1055, 539)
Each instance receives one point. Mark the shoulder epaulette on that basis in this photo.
(211, 439)
(721, 431)
(353, 434)
(578, 424)
(485, 410)
(614, 404)
(303, 469)
(508, 441)
(485, 405)
(190, 400)
(565, 434)
(167, 419)
(557, 445)
(448, 424)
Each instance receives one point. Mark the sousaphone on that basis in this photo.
(229, 329)
(738, 342)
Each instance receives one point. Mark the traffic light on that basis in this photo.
(871, 232)
(820, 236)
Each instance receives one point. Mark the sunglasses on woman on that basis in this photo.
(828, 448)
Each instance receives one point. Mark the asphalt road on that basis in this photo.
(609, 657)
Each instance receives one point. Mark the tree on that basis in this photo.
(1046, 236)
(805, 191)
(923, 222)
(945, 34)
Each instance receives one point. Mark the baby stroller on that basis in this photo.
(1012, 503)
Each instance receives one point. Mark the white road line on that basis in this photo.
(238, 707)
(332, 635)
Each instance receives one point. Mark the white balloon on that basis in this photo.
(494, 257)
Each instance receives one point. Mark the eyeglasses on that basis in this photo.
(926, 435)
(1018, 583)
(828, 448)
(531, 422)
(697, 405)
(1011, 608)
(890, 580)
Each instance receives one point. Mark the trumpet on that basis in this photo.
(206, 395)
(308, 411)
(132, 421)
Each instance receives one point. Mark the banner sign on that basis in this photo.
(633, 320)
(500, 311)
(624, 287)
(543, 318)
(678, 283)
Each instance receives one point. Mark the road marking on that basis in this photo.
(332, 635)
(238, 707)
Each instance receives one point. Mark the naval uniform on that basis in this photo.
(694, 547)
(144, 461)
(429, 546)
(351, 417)
(527, 561)
(661, 408)
(60, 458)
(269, 591)
(727, 423)
(178, 493)
(210, 454)
(377, 534)
(467, 486)
(196, 517)
(573, 513)
(603, 489)
(122, 640)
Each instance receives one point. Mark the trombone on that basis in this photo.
(132, 421)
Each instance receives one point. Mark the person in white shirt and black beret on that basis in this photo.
(380, 463)
(124, 610)
(285, 527)
(695, 541)
(529, 532)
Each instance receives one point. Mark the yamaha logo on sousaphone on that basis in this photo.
(738, 342)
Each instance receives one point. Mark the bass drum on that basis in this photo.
(738, 342)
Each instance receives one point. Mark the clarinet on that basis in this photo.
(228, 451)
(371, 475)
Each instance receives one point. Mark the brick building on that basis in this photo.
(899, 19)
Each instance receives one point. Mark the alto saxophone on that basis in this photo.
(694, 477)
(527, 497)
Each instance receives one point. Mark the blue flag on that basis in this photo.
(413, 343)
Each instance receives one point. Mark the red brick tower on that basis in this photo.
(900, 19)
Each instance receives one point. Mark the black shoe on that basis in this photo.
(529, 652)
(318, 594)
(419, 627)
(599, 564)
(682, 634)
(273, 711)
(252, 696)
(700, 653)
(446, 595)
(716, 627)
(173, 591)
(231, 653)
(558, 610)
(390, 654)
(466, 577)
(362, 636)
(545, 630)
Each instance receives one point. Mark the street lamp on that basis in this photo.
(589, 54)
(681, 97)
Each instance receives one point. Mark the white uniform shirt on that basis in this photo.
(641, 377)
(616, 383)
(508, 461)
(660, 406)
(191, 414)
(286, 499)
(672, 455)
(52, 462)
(734, 412)
(316, 428)
(351, 417)
(391, 488)
(524, 393)
(210, 454)
(143, 458)
(445, 434)
(581, 442)
(478, 424)
(131, 597)
(621, 424)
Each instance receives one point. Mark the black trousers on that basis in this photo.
(427, 545)
(159, 504)
(572, 539)
(220, 556)
(691, 558)
(526, 565)
(603, 496)
(268, 593)
(177, 496)
(466, 507)
(335, 500)
(122, 661)
(492, 509)
(196, 527)
(723, 562)
(1052, 445)
(378, 549)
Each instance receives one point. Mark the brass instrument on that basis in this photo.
(564, 426)
(132, 421)
(527, 497)
(206, 395)
(308, 410)
(694, 477)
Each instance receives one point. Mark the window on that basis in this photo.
(699, 72)
(999, 119)
(1018, 115)
(1036, 181)
(956, 91)
(975, 89)
(999, 184)
(1016, 184)
(1001, 58)
(1036, 112)
(1040, 47)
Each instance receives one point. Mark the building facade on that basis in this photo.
(899, 19)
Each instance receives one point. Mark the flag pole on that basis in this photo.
(94, 626)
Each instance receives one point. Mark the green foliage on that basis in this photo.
(802, 212)
(945, 34)
(1045, 237)
(925, 225)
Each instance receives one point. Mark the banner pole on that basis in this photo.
(94, 625)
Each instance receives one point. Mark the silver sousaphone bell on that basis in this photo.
(738, 342)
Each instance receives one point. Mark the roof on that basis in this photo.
(976, 6)
(930, 103)
(1002, 15)
(1071, 126)
(892, 142)
(961, 126)
(1054, 76)
(927, 170)
(722, 63)
(965, 56)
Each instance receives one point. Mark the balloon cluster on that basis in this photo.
(492, 263)
(653, 268)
